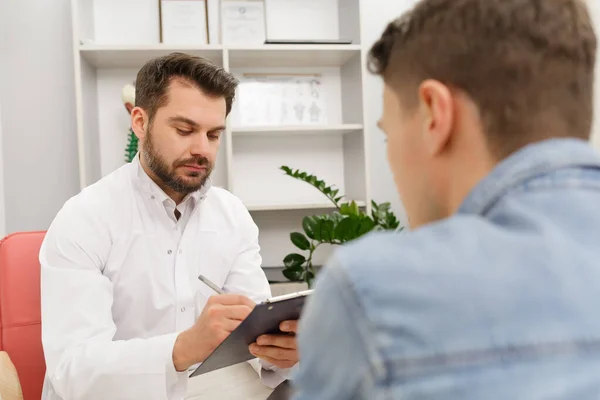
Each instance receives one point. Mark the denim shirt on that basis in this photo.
(499, 301)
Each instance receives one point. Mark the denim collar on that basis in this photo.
(530, 161)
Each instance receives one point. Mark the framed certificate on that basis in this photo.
(243, 22)
(183, 22)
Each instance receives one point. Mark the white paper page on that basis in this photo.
(236, 382)
(184, 22)
(242, 22)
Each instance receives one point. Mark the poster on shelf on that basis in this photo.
(243, 22)
(280, 99)
(183, 22)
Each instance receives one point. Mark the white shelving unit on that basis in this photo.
(114, 38)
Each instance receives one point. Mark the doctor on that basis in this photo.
(123, 313)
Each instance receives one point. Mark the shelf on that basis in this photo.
(113, 39)
(291, 207)
(134, 56)
(340, 129)
(296, 55)
(105, 56)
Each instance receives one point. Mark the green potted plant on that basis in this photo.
(345, 223)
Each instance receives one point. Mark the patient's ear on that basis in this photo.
(436, 106)
(139, 122)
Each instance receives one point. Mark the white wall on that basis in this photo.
(39, 151)
(39, 148)
(375, 15)
(39, 143)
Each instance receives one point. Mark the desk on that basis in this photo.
(238, 382)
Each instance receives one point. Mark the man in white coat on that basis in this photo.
(124, 315)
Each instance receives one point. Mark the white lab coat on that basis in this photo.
(119, 282)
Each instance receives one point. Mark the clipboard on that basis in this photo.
(264, 319)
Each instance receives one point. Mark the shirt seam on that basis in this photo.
(428, 365)
(377, 366)
(539, 187)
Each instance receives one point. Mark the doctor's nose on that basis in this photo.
(201, 145)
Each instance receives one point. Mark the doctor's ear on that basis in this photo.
(139, 122)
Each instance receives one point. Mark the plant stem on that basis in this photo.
(309, 266)
(332, 200)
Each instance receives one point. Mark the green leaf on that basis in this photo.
(357, 228)
(308, 277)
(294, 260)
(310, 225)
(366, 225)
(354, 208)
(300, 241)
(345, 209)
(335, 217)
(385, 207)
(344, 229)
(350, 208)
(293, 274)
(326, 228)
(391, 221)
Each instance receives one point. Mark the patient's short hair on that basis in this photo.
(527, 64)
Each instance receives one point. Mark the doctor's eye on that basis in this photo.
(183, 132)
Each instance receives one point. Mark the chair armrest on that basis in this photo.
(10, 388)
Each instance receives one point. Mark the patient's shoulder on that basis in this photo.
(423, 257)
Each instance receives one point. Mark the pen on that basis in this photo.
(210, 284)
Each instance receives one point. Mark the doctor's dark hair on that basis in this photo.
(527, 65)
(154, 78)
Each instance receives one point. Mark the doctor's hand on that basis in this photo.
(280, 350)
(221, 315)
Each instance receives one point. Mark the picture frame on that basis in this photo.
(184, 22)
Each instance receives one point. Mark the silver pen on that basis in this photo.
(210, 284)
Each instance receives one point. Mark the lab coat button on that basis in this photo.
(169, 251)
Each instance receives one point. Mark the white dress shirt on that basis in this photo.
(119, 283)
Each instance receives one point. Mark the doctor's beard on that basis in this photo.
(168, 173)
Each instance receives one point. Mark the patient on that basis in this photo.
(493, 295)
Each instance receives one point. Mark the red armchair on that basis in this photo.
(20, 312)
